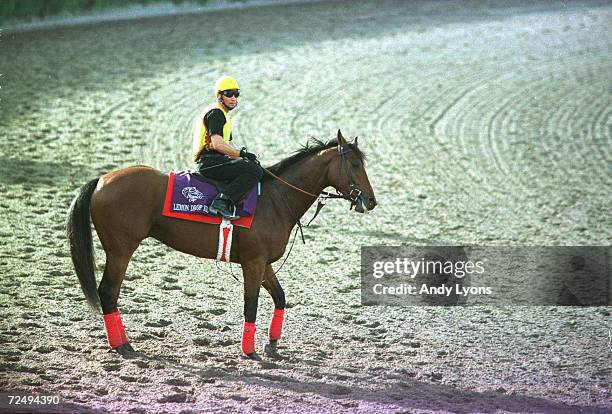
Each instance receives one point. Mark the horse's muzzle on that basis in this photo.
(363, 204)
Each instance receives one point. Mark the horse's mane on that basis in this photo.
(312, 146)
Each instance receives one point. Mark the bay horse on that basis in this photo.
(125, 207)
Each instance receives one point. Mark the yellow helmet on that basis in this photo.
(225, 83)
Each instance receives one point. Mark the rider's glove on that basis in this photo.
(248, 155)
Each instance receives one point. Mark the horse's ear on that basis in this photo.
(341, 139)
(356, 140)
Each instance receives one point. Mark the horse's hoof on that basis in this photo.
(252, 356)
(271, 350)
(126, 350)
(272, 345)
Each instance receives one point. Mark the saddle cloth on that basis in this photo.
(188, 197)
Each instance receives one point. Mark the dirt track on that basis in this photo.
(483, 124)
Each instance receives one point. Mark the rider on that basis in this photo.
(217, 157)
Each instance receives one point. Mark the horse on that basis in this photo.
(125, 207)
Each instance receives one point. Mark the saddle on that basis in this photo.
(218, 184)
(189, 194)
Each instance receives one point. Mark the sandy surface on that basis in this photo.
(485, 124)
(137, 11)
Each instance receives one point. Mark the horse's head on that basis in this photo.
(348, 175)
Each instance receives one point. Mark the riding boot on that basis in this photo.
(222, 205)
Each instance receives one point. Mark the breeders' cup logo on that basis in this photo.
(192, 194)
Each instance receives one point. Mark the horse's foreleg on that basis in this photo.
(275, 290)
(253, 274)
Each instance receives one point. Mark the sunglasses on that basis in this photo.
(230, 94)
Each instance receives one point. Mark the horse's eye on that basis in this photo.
(355, 164)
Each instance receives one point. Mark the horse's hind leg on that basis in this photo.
(275, 290)
(117, 260)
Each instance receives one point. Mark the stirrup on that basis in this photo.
(232, 213)
(223, 207)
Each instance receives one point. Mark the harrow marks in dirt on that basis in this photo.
(485, 125)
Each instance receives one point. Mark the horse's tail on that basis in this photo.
(78, 229)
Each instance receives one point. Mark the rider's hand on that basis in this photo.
(248, 155)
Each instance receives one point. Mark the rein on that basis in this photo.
(289, 184)
(326, 194)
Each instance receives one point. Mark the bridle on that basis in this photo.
(353, 194)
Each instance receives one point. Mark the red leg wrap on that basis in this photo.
(276, 324)
(115, 332)
(248, 338)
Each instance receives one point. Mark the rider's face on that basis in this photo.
(230, 102)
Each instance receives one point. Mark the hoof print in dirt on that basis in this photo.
(201, 341)
(179, 382)
(161, 323)
(179, 397)
(340, 390)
